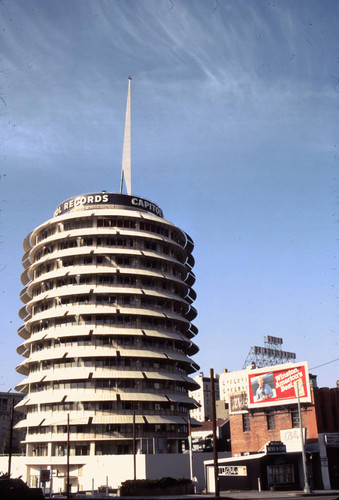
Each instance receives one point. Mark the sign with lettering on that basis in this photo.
(292, 439)
(275, 447)
(105, 199)
(279, 384)
(232, 470)
(332, 439)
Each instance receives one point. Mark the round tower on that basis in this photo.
(107, 334)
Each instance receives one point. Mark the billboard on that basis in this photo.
(276, 385)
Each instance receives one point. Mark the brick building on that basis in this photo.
(253, 428)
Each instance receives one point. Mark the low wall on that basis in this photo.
(167, 486)
(89, 471)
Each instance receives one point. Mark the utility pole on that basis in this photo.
(190, 447)
(67, 464)
(307, 488)
(214, 420)
(134, 457)
(10, 440)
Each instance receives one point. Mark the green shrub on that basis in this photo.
(164, 482)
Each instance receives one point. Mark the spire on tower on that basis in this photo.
(126, 153)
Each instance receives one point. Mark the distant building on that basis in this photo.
(231, 382)
(222, 411)
(202, 436)
(203, 397)
(7, 399)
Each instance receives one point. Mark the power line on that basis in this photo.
(328, 362)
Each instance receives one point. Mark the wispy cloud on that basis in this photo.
(65, 63)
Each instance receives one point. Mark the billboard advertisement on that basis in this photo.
(279, 384)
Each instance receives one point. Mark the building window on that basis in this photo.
(295, 419)
(270, 417)
(246, 425)
(82, 450)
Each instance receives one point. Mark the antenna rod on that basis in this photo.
(126, 154)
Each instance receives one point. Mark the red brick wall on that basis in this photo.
(259, 435)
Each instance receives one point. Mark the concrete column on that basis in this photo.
(324, 461)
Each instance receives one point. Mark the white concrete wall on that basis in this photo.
(18, 467)
(177, 465)
(117, 468)
(167, 465)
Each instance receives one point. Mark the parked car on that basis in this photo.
(17, 489)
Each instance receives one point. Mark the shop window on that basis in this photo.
(280, 474)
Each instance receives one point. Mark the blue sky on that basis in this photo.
(235, 117)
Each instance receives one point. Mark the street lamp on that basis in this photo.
(307, 488)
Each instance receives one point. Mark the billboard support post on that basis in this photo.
(306, 485)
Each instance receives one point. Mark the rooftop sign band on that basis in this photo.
(278, 385)
(105, 199)
(273, 340)
(273, 352)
